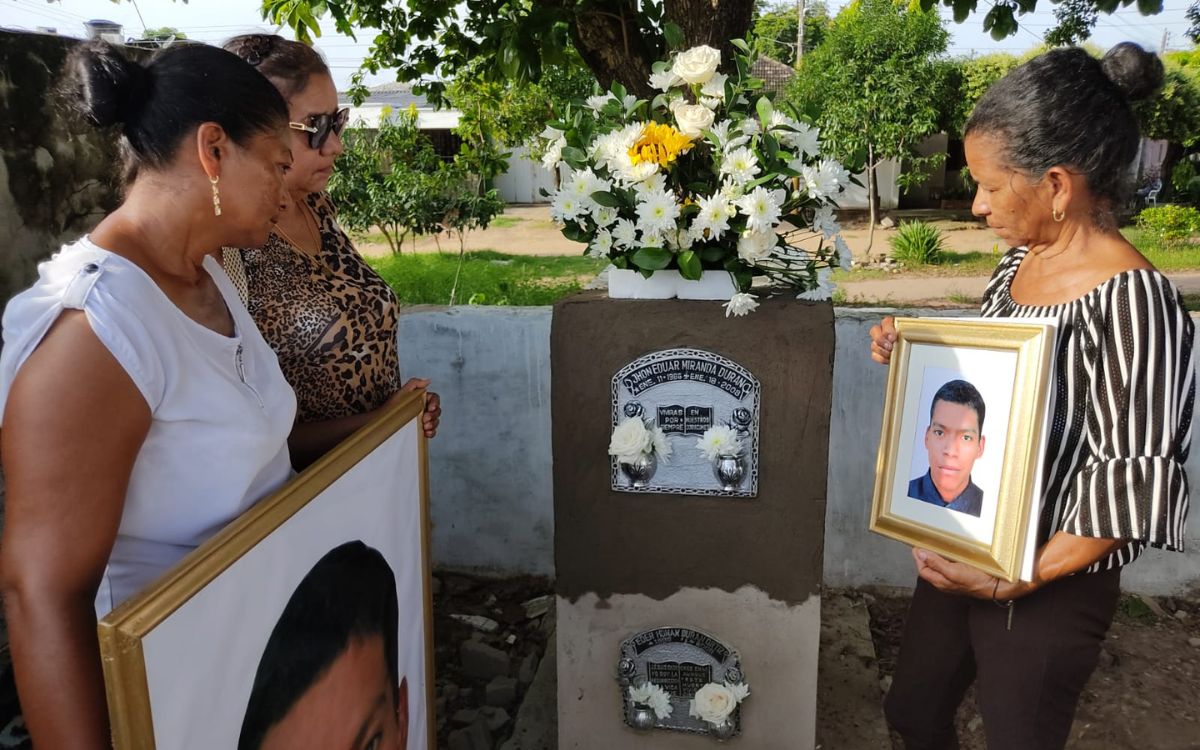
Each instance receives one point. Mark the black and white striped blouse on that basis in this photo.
(1122, 421)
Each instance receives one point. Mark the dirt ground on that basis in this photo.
(1145, 693)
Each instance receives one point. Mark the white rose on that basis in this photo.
(754, 247)
(630, 440)
(693, 119)
(697, 65)
(713, 703)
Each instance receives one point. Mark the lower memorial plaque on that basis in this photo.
(681, 679)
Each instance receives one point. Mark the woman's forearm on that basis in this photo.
(1060, 557)
(56, 659)
(311, 440)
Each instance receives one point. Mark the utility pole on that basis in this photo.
(1162, 48)
(799, 32)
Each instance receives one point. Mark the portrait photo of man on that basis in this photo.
(329, 676)
(954, 441)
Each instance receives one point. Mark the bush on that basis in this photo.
(1170, 223)
(918, 244)
(1183, 173)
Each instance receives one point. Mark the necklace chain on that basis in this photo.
(316, 238)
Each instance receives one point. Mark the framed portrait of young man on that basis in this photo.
(959, 465)
(305, 623)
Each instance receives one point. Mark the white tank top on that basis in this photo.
(221, 409)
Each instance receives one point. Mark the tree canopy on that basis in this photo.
(775, 28)
(431, 41)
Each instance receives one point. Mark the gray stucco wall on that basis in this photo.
(490, 466)
(491, 480)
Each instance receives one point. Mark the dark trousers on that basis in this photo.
(1028, 678)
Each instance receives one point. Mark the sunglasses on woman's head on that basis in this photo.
(319, 127)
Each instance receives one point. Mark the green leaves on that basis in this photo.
(652, 258)
(607, 199)
(689, 265)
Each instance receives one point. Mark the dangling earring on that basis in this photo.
(216, 195)
(1054, 212)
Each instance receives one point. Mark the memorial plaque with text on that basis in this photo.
(685, 392)
(680, 661)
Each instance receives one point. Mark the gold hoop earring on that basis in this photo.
(1054, 212)
(216, 195)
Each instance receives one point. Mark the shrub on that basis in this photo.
(1183, 173)
(1170, 223)
(917, 244)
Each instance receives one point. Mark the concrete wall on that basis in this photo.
(491, 483)
(491, 465)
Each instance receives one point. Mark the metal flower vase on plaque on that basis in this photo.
(640, 471)
(729, 471)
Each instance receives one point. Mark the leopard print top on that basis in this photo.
(331, 320)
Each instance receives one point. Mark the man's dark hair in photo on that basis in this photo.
(350, 593)
(963, 393)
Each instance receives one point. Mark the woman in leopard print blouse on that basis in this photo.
(329, 316)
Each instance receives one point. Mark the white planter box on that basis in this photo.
(626, 284)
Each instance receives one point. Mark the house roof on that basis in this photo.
(394, 95)
(774, 73)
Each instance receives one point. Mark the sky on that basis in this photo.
(216, 20)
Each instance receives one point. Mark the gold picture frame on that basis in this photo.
(123, 631)
(1014, 358)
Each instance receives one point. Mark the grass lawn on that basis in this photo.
(1166, 258)
(488, 277)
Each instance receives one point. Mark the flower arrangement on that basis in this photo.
(708, 176)
(715, 702)
(632, 440)
(652, 696)
(719, 440)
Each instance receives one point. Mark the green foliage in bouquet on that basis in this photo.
(707, 176)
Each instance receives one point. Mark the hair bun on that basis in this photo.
(1136, 72)
(111, 87)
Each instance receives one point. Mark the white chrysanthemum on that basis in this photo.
(739, 305)
(721, 440)
(740, 165)
(740, 690)
(655, 183)
(845, 257)
(823, 290)
(649, 694)
(825, 222)
(715, 87)
(662, 448)
(657, 212)
(825, 180)
(664, 81)
(714, 216)
(624, 234)
(755, 247)
(604, 216)
(553, 156)
(749, 126)
(651, 239)
(565, 207)
(762, 208)
(805, 139)
(601, 244)
(596, 103)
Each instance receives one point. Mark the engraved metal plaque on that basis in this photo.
(685, 392)
(680, 661)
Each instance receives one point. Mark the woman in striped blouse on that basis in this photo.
(1050, 146)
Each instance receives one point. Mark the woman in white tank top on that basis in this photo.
(142, 410)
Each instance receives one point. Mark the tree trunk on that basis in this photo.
(613, 47)
(711, 22)
(872, 199)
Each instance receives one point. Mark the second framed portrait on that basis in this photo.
(959, 464)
